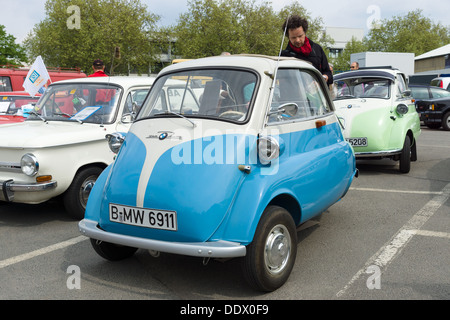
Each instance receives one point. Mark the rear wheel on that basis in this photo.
(111, 251)
(405, 157)
(271, 255)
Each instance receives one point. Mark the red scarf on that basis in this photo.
(304, 50)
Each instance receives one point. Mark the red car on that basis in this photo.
(11, 105)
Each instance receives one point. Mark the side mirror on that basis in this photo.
(406, 93)
(128, 117)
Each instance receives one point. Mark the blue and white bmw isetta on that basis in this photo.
(227, 157)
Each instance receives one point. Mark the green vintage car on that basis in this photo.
(377, 114)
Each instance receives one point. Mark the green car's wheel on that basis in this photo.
(405, 157)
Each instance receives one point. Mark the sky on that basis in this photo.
(20, 16)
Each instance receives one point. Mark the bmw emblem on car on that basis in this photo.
(163, 135)
(349, 106)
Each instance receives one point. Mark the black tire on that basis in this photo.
(75, 198)
(111, 251)
(414, 151)
(405, 157)
(446, 121)
(271, 255)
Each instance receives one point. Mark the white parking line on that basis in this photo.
(391, 249)
(428, 233)
(397, 191)
(26, 256)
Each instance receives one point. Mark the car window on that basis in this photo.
(401, 84)
(420, 92)
(214, 93)
(134, 101)
(94, 103)
(5, 84)
(363, 88)
(297, 95)
(438, 93)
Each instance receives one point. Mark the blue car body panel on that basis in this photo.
(217, 201)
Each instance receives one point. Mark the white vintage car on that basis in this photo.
(61, 148)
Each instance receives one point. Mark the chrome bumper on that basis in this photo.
(8, 187)
(215, 249)
(387, 153)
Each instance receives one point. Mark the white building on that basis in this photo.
(402, 61)
(341, 37)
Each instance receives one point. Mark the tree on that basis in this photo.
(236, 26)
(10, 52)
(74, 38)
(411, 33)
(342, 62)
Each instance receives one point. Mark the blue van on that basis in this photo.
(226, 158)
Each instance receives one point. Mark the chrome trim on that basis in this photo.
(213, 249)
(8, 187)
(10, 167)
(386, 153)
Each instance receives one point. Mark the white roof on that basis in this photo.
(123, 81)
(259, 63)
(435, 53)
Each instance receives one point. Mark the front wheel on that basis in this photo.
(405, 157)
(111, 251)
(446, 121)
(271, 255)
(76, 197)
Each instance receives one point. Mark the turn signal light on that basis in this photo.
(43, 178)
(320, 123)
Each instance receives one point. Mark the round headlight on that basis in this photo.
(402, 109)
(268, 149)
(29, 164)
(115, 141)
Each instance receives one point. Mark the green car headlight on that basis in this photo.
(402, 109)
(29, 164)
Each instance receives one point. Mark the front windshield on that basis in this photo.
(212, 93)
(81, 102)
(363, 88)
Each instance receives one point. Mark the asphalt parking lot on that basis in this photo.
(388, 239)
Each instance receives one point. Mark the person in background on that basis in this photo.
(99, 69)
(301, 47)
(354, 65)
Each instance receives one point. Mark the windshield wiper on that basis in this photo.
(68, 115)
(37, 115)
(179, 115)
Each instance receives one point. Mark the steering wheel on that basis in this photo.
(232, 114)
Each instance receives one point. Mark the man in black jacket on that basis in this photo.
(303, 48)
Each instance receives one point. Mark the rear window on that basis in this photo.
(5, 84)
(435, 83)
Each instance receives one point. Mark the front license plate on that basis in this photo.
(142, 217)
(357, 142)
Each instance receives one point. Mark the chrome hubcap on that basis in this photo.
(86, 189)
(277, 249)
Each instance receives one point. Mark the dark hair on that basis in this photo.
(294, 22)
(98, 64)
